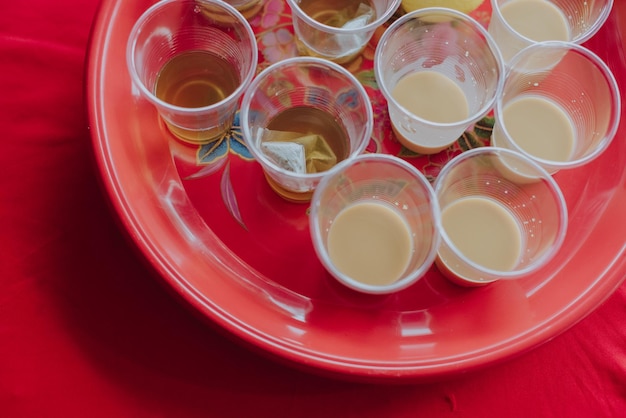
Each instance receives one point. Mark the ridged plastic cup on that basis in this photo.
(537, 208)
(579, 83)
(394, 183)
(304, 81)
(173, 27)
(449, 43)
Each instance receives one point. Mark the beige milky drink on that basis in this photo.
(374, 223)
(539, 20)
(443, 65)
(539, 127)
(370, 242)
(484, 231)
(431, 96)
(493, 225)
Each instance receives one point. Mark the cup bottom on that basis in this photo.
(197, 137)
(407, 143)
(289, 195)
(304, 50)
(456, 278)
(510, 168)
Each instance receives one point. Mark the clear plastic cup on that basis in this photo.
(575, 105)
(451, 46)
(407, 215)
(202, 29)
(494, 224)
(340, 44)
(312, 84)
(567, 20)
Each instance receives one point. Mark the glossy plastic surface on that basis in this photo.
(242, 256)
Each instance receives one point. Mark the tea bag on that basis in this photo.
(287, 155)
(297, 152)
(352, 42)
(362, 17)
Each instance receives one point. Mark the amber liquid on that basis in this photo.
(312, 121)
(309, 120)
(197, 79)
(335, 13)
(247, 9)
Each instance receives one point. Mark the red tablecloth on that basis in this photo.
(87, 331)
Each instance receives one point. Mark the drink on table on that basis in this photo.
(539, 20)
(440, 72)
(370, 242)
(484, 231)
(196, 79)
(301, 117)
(373, 223)
(431, 96)
(495, 223)
(304, 139)
(539, 127)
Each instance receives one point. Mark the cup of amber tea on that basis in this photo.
(302, 116)
(192, 59)
(337, 30)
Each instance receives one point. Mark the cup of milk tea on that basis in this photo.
(440, 72)
(495, 225)
(374, 224)
(516, 24)
(560, 105)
